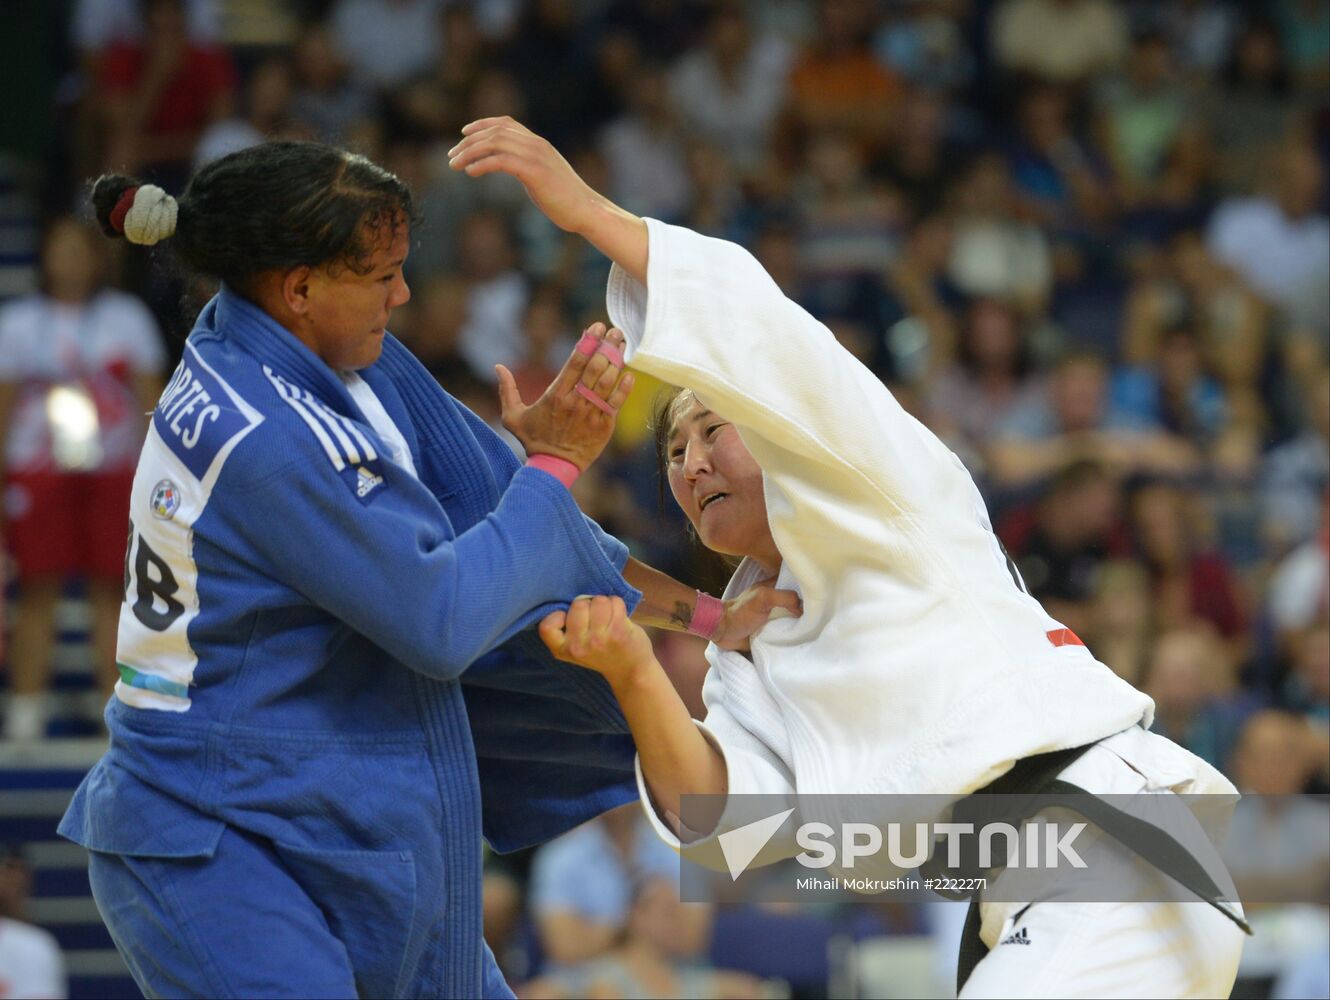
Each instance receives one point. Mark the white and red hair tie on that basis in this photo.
(145, 214)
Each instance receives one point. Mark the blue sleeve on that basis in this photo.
(391, 567)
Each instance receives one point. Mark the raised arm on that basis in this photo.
(702, 313)
(507, 146)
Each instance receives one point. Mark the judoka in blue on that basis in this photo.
(329, 688)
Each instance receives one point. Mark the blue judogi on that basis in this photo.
(330, 686)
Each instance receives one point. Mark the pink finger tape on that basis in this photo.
(591, 345)
(610, 351)
(595, 400)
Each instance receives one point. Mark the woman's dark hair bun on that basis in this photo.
(268, 207)
(106, 192)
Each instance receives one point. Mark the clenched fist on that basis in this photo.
(596, 633)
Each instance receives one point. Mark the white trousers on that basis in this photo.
(1056, 948)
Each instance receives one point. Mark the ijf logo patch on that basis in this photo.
(165, 500)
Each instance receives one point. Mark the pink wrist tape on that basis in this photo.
(706, 615)
(560, 468)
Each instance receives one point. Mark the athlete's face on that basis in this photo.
(717, 483)
(348, 311)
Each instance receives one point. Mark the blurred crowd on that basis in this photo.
(1085, 241)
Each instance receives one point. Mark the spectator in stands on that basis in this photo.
(1061, 181)
(265, 114)
(548, 56)
(997, 253)
(30, 961)
(646, 150)
(80, 364)
(497, 294)
(1142, 114)
(1276, 848)
(667, 28)
(1249, 108)
(1200, 31)
(991, 378)
(1175, 391)
(717, 198)
(1063, 41)
(1279, 241)
(1185, 288)
(1299, 589)
(160, 94)
(1189, 580)
(661, 954)
(1193, 683)
(1306, 28)
(445, 201)
(923, 159)
(326, 100)
(582, 886)
(925, 44)
(97, 25)
(1072, 418)
(838, 83)
(1297, 473)
(465, 55)
(972, 292)
(1121, 626)
(1061, 550)
(547, 339)
(849, 226)
(917, 306)
(441, 317)
(387, 42)
(729, 90)
(1307, 690)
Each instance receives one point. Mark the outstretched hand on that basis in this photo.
(507, 146)
(563, 421)
(503, 144)
(747, 613)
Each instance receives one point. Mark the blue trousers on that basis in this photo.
(233, 925)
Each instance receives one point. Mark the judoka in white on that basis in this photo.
(919, 665)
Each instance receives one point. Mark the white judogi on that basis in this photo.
(918, 665)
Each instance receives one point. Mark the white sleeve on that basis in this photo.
(715, 322)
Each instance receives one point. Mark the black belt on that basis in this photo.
(1033, 785)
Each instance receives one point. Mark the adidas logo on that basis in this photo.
(366, 481)
(1022, 936)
